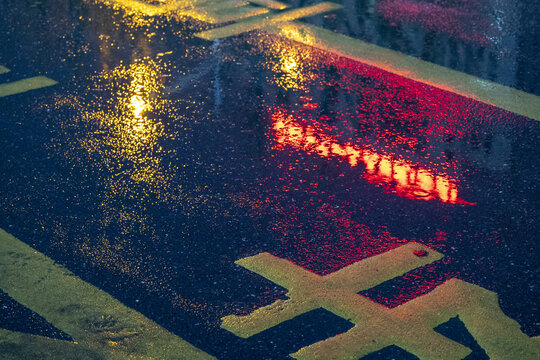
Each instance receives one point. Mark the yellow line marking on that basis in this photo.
(271, 4)
(409, 326)
(16, 346)
(485, 91)
(224, 11)
(3, 70)
(24, 85)
(99, 323)
(220, 5)
(262, 21)
(234, 14)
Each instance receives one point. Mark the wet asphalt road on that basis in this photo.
(161, 158)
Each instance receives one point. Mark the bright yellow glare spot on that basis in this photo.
(290, 65)
(291, 71)
(132, 134)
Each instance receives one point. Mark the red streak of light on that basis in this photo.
(403, 177)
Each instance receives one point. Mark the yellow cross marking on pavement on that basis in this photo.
(102, 327)
(409, 326)
(266, 20)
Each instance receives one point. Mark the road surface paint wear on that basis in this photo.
(100, 325)
(21, 86)
(485, 91)
(409, 326)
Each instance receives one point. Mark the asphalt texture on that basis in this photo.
(161, 158)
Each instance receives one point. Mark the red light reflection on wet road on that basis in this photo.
(396, 175)
(327, 238)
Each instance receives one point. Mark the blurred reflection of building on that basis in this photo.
(528, 35)
(476, 37)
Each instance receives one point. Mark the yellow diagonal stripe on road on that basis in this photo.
(271, 4)
(17, 87)
(16, 346)
(216, 11)
(266, 20)
(470, 86)
(3, 70)
(100, 324)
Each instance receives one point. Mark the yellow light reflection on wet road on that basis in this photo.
(289, 67)
(123, 117)
(126, 131)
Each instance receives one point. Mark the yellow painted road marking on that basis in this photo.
(409, 326)
(271, 4)
(485, 91)
(16, 346)
(359, 276)
(3, 70)
(266, 20)
(100, 324)
(216, 12)
(24, 85)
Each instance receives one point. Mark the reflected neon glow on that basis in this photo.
(400, 176)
